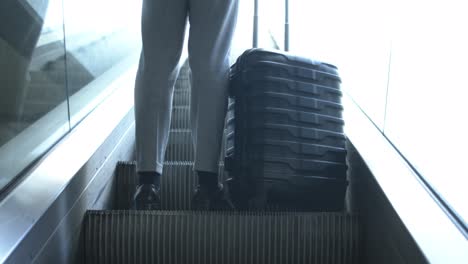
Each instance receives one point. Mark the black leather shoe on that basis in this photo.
(205, 199)
(147, 197)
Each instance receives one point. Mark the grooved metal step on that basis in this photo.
(180, 146)
(177, 184)
(215, 237)
(180, 117)
(183, 79)
(183, 82)
(181, 97)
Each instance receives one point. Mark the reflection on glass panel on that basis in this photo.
(33, 106)
(103, 41)
(427, 108)
(354, 36)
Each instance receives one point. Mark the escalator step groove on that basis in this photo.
(220, 237)
(180, 147)
(181, 97)
(180, 117)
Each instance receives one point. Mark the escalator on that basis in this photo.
(179, 235)
(67, 174)
(376, 226)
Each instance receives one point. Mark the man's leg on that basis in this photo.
(212, 24)
(163, 28)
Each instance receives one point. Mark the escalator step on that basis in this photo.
(177, 184)
(220, 237)
(183, 79)
(180, 117)
(181, 97)
(180, 146)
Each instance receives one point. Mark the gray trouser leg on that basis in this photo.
(163, 27)
(212, 24)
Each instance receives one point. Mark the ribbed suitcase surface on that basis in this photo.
(119, 237)
(316, 193)
(299, 103)
(294, 166)
(285, 127)
(258, 57)
(291, 71)
(261, 147)
(287, 86)
(272, 115)
(290, 133)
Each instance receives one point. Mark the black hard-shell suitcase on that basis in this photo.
(284, 132)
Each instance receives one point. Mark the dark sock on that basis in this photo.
(149, 177)
(208, 179)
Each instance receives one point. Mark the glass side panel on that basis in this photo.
(427, 110)
(33, 106)
(103, 41)
(352, 35)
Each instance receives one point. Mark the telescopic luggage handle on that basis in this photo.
(286, 25)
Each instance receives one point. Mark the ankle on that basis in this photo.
(149, 177)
